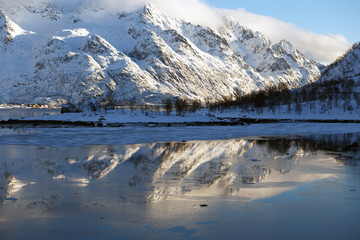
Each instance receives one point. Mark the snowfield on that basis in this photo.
(111, 117)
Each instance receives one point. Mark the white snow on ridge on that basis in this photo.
(347, 67)
(9, 29)
(142, 57)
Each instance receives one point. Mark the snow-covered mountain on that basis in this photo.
(142, 56)
(345, 68)
(338, 88)
(9, 29)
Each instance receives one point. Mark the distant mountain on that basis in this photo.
(340, 80)
(345, 67)
(138, 57)
(335, 95)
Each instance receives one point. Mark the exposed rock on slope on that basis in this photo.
(8, 29)
(142, 57)
(346, 67)
(280, 63)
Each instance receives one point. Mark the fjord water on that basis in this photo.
(283, 187)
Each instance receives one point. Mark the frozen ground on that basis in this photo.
(203, 116)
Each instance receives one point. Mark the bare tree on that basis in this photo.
(168, 106)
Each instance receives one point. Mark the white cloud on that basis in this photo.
(320, 47)
(323, 48)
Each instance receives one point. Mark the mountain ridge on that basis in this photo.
(346, 66)
(149, 57)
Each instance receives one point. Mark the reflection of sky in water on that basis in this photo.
(161, 185)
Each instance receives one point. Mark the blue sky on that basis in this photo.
(319, 16)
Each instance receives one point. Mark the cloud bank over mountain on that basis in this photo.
(320, 47)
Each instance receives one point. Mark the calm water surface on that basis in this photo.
(94, 183)
(278, 188)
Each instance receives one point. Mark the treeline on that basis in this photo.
(272, 96)
(181, 106)
(316, 97)
(327, 95)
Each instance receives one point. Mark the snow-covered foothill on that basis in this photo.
(345, 68)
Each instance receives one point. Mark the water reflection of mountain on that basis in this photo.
(164, 170)
(345, 147)
(329, 142)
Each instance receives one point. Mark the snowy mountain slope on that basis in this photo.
(338, 88)
(346, 67)
(336, 95)
(15, 51)
(143, 56)
(280, 62)
(8, 29)
(29, 12)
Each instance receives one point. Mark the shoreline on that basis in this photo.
(220, 122)
(132, 118)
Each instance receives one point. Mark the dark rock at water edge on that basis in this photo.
(69, 108)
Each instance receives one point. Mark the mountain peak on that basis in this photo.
(243, 32)
(149, 10)
(231, 23)
(287, 46)
(150, 7)
(145, 56)
(150, 14)
(8, 29)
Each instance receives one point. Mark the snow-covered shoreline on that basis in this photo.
(117, 118)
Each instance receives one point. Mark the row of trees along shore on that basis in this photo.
(330, 94)
(334, 93)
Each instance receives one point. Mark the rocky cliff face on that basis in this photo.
(143, 57)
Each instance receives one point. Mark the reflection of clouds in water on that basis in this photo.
(250, 183)
(44, 177)
(175, 169)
